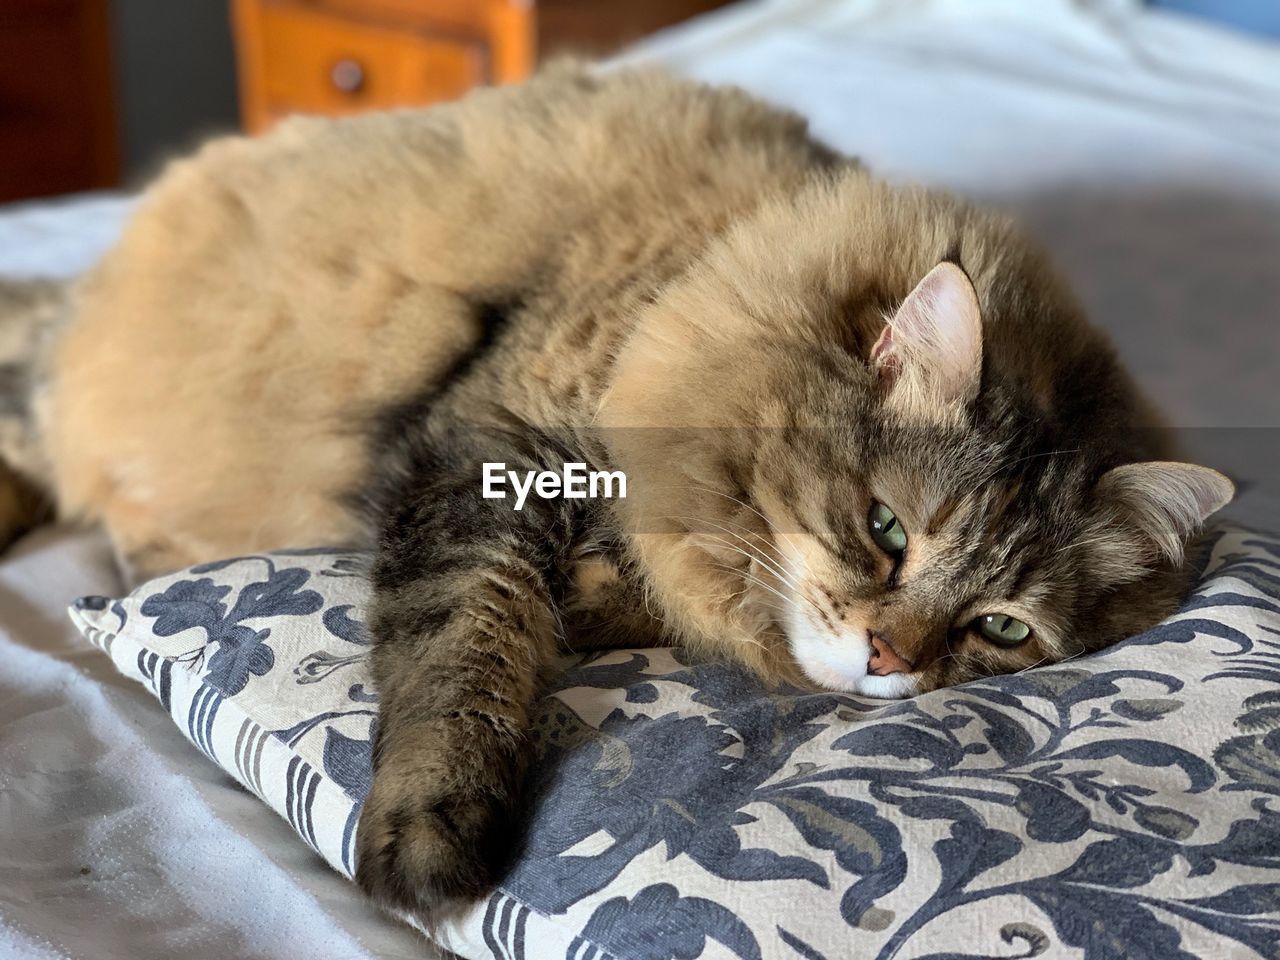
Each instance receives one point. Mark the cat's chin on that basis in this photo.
(841, 664)
(896, 686)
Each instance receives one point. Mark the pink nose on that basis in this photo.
(884, 659)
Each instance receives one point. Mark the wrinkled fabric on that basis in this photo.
(117, 838)
(1121, 804)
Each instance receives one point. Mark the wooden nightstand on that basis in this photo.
(343, 56)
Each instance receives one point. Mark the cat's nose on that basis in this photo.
(884, 659)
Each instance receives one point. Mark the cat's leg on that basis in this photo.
(463, 622)
(607, 607)
(30, 311)
(22, 505)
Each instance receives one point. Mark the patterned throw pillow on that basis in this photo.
(1123, 805)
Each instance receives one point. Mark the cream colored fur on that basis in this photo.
(271, 293)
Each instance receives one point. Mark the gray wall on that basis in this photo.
(175, 78)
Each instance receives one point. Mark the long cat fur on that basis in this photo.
(320, 335)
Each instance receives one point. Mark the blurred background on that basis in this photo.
(96, 93)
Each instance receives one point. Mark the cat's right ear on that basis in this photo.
(929, 356)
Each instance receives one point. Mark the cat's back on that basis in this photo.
(271, 294)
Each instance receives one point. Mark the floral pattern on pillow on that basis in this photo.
(1123, 805)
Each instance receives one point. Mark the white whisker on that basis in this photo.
(773, 565)
(747, 573)
(762, 539)
(1031, 667)
(735, 500)
(790, 601)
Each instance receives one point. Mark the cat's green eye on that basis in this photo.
(1002, 629)
(885, 529)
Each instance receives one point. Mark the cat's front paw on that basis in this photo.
(423, 847)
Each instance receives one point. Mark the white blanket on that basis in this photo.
(1142, 148)
(117, 839)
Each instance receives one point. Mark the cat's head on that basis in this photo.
(856, 464)
(951, 532)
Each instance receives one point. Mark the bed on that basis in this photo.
(1139, 146)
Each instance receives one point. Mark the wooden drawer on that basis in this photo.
(316, 61)
(341, 56)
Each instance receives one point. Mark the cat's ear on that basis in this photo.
(930, 353)
(1163, 502)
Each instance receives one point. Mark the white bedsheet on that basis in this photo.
(117, 838)
(1141, 148)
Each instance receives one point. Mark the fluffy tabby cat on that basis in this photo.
(870, 442)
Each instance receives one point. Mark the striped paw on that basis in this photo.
(419, 849)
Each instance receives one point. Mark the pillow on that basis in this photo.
(1126, 804)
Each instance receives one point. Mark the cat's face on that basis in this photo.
(944, 536)
(927, 564)
(952, 500)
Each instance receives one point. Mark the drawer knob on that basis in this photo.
(347, 75)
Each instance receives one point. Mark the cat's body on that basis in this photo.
(642, 275)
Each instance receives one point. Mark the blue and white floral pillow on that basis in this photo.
(1121, 806)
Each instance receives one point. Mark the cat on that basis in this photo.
(870, 442)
